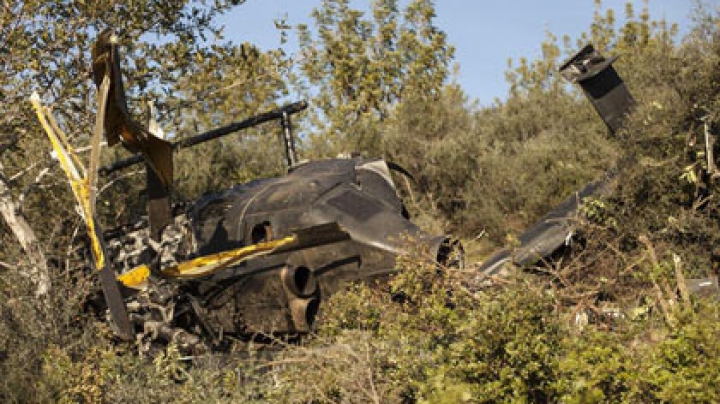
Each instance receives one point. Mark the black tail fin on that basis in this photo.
(601, 84)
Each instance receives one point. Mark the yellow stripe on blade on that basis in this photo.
(205, 265)
(209, 264)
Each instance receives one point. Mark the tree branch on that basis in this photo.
(10, 211)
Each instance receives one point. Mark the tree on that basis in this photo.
(223, 89)
(18, 224)
(358, 69)
(45, 47)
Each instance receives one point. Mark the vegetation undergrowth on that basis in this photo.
(424, 335)
(610, 321)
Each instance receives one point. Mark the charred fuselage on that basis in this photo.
(280, 292)
(357, 194)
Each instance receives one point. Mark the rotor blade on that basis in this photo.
(119, 125)
(110, 287)
(116, 304)
(83, 192)
(212, 263)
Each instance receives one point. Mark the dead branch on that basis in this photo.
(16, 221)
(664, 306)
(709, 146)
(23, 172)
(34, 183)
(681, 283)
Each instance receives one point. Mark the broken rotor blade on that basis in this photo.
(209, 264)
(83, 191)
(300, 239)
(119, 125)
(110, 287)
(212, 263)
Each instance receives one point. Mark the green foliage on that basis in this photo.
(434, 141)
(46, 47)
(357, 69)
(228, 87)
(605, 324)
(426, 338)
(683, 363)
(597, 367)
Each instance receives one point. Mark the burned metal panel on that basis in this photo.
(374, 178)
(355, 193)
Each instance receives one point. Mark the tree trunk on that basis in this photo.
(15, 220)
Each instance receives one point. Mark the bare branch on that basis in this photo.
(23, 172)
(35, 183)
(9, 209)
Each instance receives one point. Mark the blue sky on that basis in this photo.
(485, 33)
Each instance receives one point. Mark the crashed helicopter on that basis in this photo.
(257, 258)
(261, 257)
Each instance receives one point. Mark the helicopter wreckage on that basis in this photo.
(254, 259)
(260, 257)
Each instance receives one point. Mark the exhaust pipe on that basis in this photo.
(299, 281)
(303, 295)
(303, 312)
